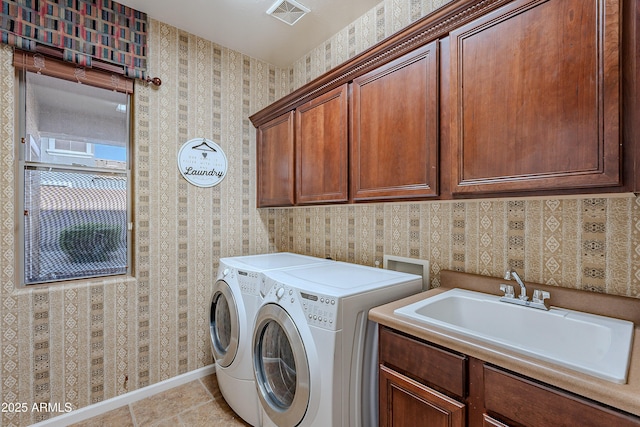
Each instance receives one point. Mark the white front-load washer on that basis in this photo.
(233, 305)
(314, 349)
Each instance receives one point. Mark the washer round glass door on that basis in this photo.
(280, 366)
(223, 324)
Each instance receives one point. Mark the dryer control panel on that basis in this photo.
(320, 310)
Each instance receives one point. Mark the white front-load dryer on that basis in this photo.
(314, 349)
(233, 305)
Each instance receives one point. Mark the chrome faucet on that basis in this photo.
(523, 289)
(538, 295)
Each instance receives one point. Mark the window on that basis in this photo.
(66, 147)
(74, 180)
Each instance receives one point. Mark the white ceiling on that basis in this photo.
(244, 26)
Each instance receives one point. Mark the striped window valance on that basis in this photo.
(86, 32)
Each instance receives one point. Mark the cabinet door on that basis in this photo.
(275, 170)
(407, 403)
(535, 90)
(394, 129)
(322, 148)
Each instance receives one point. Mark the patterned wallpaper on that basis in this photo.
(583, 242)
(590, 243)
(84, 342)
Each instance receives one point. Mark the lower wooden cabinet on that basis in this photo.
(420, 386)
(409, 403)
(518, 400)
(488, 421)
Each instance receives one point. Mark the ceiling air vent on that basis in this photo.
(288, 11)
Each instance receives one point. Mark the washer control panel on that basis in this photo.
(249, 281)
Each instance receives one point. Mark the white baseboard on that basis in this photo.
(99, 408)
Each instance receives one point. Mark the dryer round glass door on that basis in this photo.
(223, 324)
(280, 366)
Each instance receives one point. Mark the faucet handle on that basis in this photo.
(508, 290)
(539, 296)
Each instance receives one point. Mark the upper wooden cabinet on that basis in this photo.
(275, 166)
(535, 98)
(394, 129)
(478, 98)
(322, 149)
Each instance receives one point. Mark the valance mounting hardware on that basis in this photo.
(154, 81)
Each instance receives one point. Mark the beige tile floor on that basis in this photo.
(195, 404)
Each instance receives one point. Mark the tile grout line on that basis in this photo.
(132, 414)
(206, 389)
(193, 407)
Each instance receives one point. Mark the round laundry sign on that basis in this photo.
(202, 162)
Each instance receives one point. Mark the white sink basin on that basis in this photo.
(595, 345)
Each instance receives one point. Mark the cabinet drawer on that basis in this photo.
(522, 401)
(443, 370)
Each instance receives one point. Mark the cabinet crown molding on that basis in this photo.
(431, 27)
